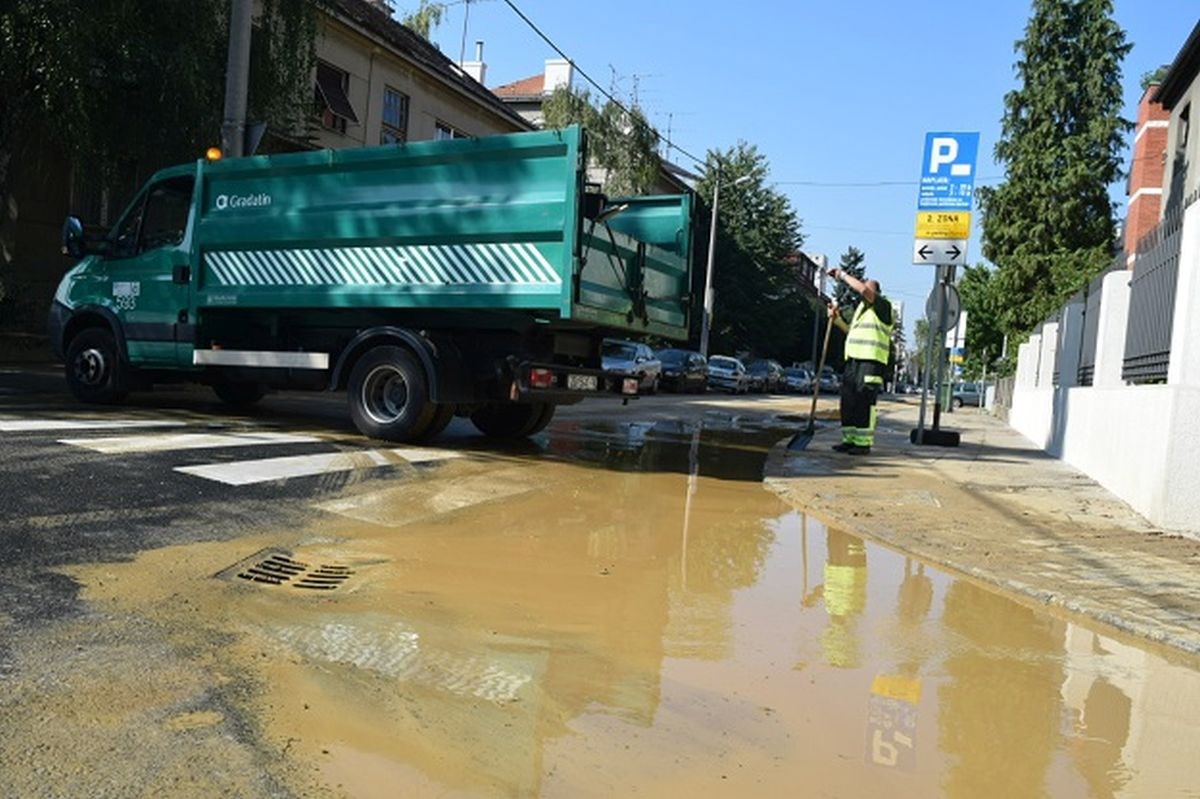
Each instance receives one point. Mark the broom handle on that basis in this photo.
(812, 414)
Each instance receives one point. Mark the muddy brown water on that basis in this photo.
(625, 610)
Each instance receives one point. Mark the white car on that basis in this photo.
(728, 373)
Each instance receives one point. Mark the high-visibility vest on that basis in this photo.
(869, 339)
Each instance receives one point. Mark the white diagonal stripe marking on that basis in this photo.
(170, 442)
(265, 470)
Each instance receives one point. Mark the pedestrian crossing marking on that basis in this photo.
(249, 472)
(44, 425)
(172, 442)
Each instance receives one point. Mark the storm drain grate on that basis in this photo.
(278, 567)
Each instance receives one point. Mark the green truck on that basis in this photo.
(475, 277)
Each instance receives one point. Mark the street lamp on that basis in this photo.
(706, 321)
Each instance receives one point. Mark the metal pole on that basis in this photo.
(706, 321)
(948, 279)
(932, 334)
(237, 78)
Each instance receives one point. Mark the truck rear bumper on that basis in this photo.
(550, 382)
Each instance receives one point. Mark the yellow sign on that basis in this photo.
(897, 686)
(943, 224)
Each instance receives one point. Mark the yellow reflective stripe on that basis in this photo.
(877, 379)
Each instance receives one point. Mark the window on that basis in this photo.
(443, 132)
(395, 117)
(158, 220)
(331, 101)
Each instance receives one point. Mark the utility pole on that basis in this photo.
(237, 79)
(706, 320)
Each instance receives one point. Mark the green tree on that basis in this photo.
(112, 86)
(984, 302)
(852, 263)
(425, 18)
(1049, 226)
(920, 346)
(760, 305)
(622, 143)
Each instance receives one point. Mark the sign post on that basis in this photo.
(943, 225)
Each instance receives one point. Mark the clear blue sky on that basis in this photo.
(839, 92)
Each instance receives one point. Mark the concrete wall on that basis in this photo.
(1139, 442)
(1181, 175)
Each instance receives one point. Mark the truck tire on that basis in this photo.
(543, 419)
(509, 420)
(388, 395)
(95, 373)
(240, 395)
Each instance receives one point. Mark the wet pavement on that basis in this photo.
(617, 608)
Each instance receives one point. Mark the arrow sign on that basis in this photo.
(942, 252)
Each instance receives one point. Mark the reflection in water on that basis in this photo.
(845, 593)
(999, 712)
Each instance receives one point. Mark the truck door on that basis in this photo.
(150, 270)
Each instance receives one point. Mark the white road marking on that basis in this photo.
(240, 473)
(39, 425)
(171, 442)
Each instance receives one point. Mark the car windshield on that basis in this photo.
(794, 372)
(759, 367)
(618, 350)
(722, 363)
(672, 356)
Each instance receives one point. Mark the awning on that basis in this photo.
(329, 86)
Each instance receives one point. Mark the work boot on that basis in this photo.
(855, 449)
(842, 447)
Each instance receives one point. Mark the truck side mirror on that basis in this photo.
(72, 237)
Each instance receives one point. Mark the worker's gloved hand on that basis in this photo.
(833, 310)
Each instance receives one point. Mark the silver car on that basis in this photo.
(728, 373)
(632, 359)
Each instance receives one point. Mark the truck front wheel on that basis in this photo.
(512, 420)
(389, 395)
(94, 370)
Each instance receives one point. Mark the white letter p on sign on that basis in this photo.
(943, 151)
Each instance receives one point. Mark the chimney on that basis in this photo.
(476, 69)
(1145, 185)
(558, 73)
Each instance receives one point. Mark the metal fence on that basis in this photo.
(1091, 321)
(1152, 300)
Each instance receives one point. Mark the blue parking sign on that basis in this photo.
(948, 172)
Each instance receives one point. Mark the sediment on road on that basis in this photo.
(1001, 511)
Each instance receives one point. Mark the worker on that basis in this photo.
(868, 347)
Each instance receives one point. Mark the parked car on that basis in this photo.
(831, 381)
(632, 359)
(797, 379)
(728, 373)
(765, 375)
(967, 394)
(683, 370)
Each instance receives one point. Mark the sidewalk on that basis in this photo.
(1004, 512)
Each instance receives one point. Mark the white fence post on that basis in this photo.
(1110, 332)
(1049, 343)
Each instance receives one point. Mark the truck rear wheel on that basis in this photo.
(240, 395)
(94, 370)
(442, 417)
(389, 395)
(512, 420)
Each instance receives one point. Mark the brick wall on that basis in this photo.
(1146, 171)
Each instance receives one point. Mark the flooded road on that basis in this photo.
(615, 610)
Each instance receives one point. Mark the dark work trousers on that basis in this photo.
(861, 383)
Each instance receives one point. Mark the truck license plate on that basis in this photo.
(582, 382)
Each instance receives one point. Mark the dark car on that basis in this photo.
(632, 359)
(765, 375)
(683, 370)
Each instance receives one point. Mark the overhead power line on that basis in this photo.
(671, 145)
